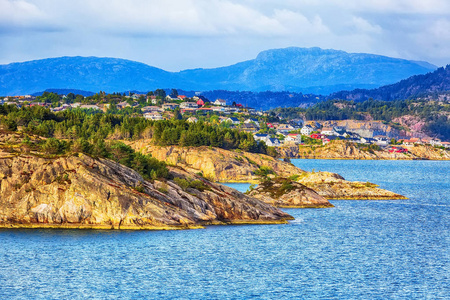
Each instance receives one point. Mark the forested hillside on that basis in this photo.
(433, 83)
(434, 114)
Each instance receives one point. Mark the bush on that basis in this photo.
(53, 146)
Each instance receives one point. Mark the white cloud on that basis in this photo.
(180, 34)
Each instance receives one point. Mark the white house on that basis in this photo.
(147, 109)
(167, 106)
(261, 137)
(153, 116)
(273, 142)
(445, 144)
(234, 121)
(435, 142)
(306, 130)
(86, 106)
(294, 137)
(188, 105)
(168, 98)
(328, 131)
(285, 128)
(381, 141)
(252, 120)
(192, 120)
(220, 102)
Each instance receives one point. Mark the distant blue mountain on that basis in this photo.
(306, 70)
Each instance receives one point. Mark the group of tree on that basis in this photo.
(96, 127)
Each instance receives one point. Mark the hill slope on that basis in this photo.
(414, 86)
(309, 70)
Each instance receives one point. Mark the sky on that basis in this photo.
(185, 34)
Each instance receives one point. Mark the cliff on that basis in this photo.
(237, 166)
(78, 191)
(346, 150)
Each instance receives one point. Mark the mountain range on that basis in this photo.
(303, 70)
(414, 86)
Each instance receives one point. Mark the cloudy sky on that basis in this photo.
(181, 34)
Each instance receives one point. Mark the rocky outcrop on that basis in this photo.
(347, 150)
(282, 192)
(333, 186)
(231, 166)
(81, 192)
(217, 164)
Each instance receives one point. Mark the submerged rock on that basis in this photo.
(83, 192)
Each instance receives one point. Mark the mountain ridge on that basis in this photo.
(305, 70)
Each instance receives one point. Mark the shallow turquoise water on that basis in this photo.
(357, 250)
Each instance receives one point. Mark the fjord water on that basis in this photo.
(397, 249)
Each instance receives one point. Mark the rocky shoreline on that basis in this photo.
(79, 191)
(237, 166)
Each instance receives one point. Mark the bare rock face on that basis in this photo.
(334, 186)
(217, 164)
(82, 192)
(347, 150)
(230, 166)
(282, 192)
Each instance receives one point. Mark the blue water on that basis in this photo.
(357, 250)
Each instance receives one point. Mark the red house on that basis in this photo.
(397, 150)
(200, 102)
(317, 136)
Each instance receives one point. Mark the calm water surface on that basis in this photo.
(358, 250)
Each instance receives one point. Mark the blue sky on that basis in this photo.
(182, 34)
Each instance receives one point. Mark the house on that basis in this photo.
(397, 150)
(122, 105)
(192, 120)
(296, 123)
(445, 144)
(181, 97)
(285, 128)
(153, 116)
(171, 106)
(273, 142)
(220, 102)
(218, 109)
(192, 105)
(306, 130)
(328, 131)
(85, 106)
(200, 102)
(435, 142)
(147, 109)
(317, 136)
(249, 127)
(366, 140)
(234, 121)
(381, 140)
(294, 137)
(252, 120)
(152, 99)
(168, 98)
(261, 137)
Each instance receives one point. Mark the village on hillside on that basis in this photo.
(265, 126)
